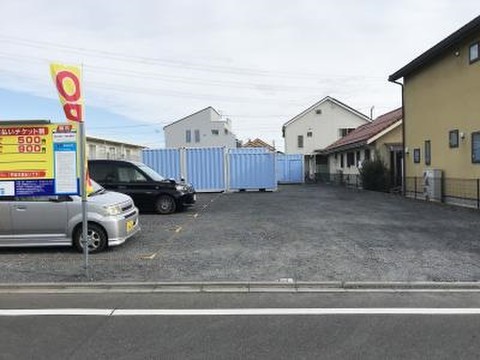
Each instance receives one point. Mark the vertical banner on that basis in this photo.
(67, 80)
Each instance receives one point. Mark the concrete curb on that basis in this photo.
(239, 287)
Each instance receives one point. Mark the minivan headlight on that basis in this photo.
(113, 210)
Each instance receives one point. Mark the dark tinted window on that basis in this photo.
(102, 172)
(130, 174)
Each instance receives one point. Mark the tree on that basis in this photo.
(374, 175)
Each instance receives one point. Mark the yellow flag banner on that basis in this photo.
(67, 80)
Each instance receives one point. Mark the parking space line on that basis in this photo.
(180, 228)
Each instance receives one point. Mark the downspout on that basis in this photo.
(404, 164)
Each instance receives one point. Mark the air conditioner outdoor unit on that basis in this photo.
(432, 184)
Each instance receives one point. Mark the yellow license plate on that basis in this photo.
(130, 225)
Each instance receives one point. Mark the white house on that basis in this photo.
(205, 128)
(317, 127)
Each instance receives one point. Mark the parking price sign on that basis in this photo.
(38, 160)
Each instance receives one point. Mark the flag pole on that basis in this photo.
(83, 187)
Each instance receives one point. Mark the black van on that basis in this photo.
(149, 190)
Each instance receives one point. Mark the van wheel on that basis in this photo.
(165, 204)
(98, 239)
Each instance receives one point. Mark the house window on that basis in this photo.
(345, 131)
(225, 131)
(197, 136)
(215, 132)
(128, 154)
(428, 152)
(92, 151)
(300, 141)
(416, 156)
(309, 134)
(350, 159)
(358, 157)
(453, 138)
(318, 111)
(188, 136)
(476, 147)
(367, 154)
(474, 52)
(342, 163)
(112, 151)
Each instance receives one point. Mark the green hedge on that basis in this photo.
(374, 175)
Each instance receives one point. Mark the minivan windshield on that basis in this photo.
(97, 188)
(150, 172)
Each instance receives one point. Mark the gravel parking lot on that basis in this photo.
(303, 232)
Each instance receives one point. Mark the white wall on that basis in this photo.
(324, 127)
(103, 149)
(205, 121)
(334, 162)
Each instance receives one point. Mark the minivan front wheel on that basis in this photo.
(98, 239)
(165, 204)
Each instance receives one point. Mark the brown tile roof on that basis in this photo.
(258, 143)
(360, 135)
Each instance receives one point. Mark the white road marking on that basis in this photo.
(56, 312)
(240, 312)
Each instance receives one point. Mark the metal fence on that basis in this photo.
(464, 192)
(347, 180)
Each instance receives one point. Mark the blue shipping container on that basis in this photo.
(164, 161)
(252, 171)
(206, 168)
(290, 169)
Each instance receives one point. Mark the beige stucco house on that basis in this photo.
(442, 106)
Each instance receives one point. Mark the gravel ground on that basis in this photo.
(308, 233)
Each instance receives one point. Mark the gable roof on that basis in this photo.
(195, 113)
(258, 143)
(433, 53)
(365, 134)
(325, 99)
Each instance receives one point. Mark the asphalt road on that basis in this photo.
(307, 233)
(358, 335)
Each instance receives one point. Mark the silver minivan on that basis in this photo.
(56, 220)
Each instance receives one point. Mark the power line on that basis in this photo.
(182, 79)
(244, 71)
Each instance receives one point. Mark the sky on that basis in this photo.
(258, 62)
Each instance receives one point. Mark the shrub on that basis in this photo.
(374, 175)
